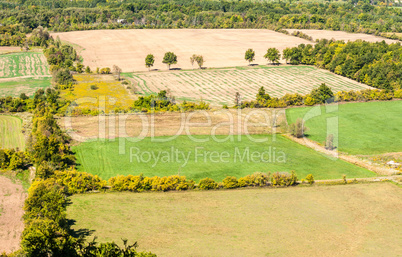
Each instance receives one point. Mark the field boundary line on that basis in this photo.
(348, 158)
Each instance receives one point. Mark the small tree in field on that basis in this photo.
(273, 55)
(87, 70)
(117, 71)
(192, 59)
(200, 60)
(298, 129)
(169, 59)
(149, 61)
(287, 54)
(249, 56)
(237, 100)
(329, 143)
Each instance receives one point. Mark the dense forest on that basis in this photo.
(20, 16)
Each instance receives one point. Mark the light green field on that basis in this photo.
(364, 128)
(220, 85)
(10, 132)
(23, 64)
(28, 86)
(208, 159)
(349, 220)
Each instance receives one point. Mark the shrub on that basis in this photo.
(283, 179)
(207, 184)
(256, 179)
(329, 143)
(94, 87)
(310, 179)
(230, 182)
(298, 129)
(398, 93)
(78, 182)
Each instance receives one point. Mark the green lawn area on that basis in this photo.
(363, 128)
(209, 159)
(28, 86)
(347, 220)
(10, 132)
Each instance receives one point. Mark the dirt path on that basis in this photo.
(12, 197)
(349, 158)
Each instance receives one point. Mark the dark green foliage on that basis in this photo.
(322, 94)
(207, 184)
(94, 87)
(163, 102)
(169, 59)
(149, 61)
(64, 77)
(249, 55)
(273, 55)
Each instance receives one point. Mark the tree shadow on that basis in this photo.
(79, 233)
(253, 64)
(175, 68)
(154, 69)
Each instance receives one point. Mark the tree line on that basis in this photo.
(22, 16)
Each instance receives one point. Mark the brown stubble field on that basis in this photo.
(12, 197)
(217, 122)
(220, 48)
(341, 35)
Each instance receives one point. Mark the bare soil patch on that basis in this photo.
(220, 122)
(342, 35)
(220, 47)
(12, 197)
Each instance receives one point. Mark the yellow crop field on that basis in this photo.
(101, 92)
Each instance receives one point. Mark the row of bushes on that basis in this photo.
(320, 95)
(300, 34)
(179, 183)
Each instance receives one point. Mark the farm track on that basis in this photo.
(348, 158)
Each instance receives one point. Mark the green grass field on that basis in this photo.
(28, 86)
(10, 132)
(208, 159)
(23, 64)
(364, 128)
(348, 220)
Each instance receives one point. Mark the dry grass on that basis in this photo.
(220, 47)
(342, 35)
(350, 220)
(219, 86)
(246, 121)
(109, 93)
(12, 197)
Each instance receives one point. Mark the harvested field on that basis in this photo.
(9, 49)
(98, 91)
(27, 64)
(350, 220)
(220, 122)
(220, 48)
(11, 132)
(342, 35)
(12, 197)
(219, 86)
(15, 86)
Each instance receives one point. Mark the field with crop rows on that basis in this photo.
(219, 86)
(23, 64)
(10, 132)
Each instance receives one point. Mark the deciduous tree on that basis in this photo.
(249, 56)
(149, 61)
(169, 59)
